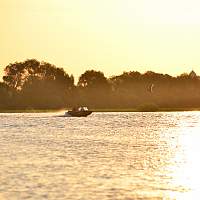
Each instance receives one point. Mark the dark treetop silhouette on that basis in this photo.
(39, 85)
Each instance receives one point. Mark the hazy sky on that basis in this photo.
(108, 35)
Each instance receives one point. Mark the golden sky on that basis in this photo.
(108, 35)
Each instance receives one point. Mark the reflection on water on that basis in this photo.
(104, 156)
(186, 170)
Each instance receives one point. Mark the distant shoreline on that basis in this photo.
(100, 110)
(137, 110)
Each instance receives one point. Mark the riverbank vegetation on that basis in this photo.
(33, 85)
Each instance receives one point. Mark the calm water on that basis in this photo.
(105, 156)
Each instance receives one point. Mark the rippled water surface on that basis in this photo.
(104, 156)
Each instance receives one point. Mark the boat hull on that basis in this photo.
(79, 113)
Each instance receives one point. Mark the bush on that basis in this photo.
(148, 108)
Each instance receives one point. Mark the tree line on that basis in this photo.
(40, 85)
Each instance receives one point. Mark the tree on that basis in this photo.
(94, 88)
(92, 79)
(40, 85)
(5, 96)
(17, 73)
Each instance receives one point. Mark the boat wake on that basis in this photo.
(65, 115)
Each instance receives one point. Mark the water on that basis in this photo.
(105, 156)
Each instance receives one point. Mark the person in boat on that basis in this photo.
(78, 109)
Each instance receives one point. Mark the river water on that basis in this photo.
(119, 156)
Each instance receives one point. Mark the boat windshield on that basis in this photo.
(82, 109)
(85, 108)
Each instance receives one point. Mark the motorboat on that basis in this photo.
(78, 112)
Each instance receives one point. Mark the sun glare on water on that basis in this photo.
(185, 171)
